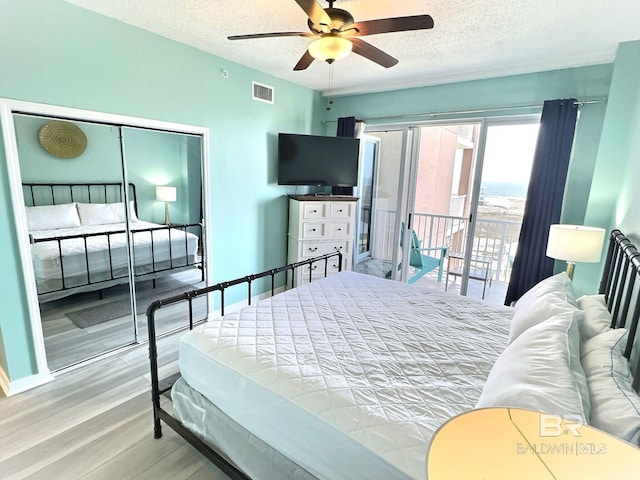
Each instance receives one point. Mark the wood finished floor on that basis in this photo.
(95, 423)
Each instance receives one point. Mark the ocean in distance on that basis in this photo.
(504, 189)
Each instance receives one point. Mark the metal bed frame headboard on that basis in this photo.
(622, 291)
(58, 193)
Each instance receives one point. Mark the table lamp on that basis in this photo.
(503, 443)
(166, 194)
(575, 243)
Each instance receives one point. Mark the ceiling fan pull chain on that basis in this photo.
(330, 86)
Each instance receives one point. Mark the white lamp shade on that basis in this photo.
(166, 194)
(575, 243)
(330, 47)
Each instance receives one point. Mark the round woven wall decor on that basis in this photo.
(62, 139)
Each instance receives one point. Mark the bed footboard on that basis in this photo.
(162, 415)
(102, 267)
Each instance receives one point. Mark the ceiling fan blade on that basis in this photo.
(386, 25)
(304, 62)
(372, 53)
(268, 35)
(315, 12)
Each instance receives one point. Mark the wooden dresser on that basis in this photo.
(319, 225)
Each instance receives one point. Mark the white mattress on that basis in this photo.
(349, 376)
(46, 255)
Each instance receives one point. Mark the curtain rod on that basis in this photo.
(465, 112)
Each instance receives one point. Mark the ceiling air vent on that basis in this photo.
(262, 93)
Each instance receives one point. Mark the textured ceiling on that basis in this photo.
(471, 39)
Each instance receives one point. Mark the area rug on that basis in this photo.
(104, 312)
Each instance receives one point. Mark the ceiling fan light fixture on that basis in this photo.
(330, 47)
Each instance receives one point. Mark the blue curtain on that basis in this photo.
(544, 196)
(346, 127)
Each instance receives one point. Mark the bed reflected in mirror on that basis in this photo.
(100, 248)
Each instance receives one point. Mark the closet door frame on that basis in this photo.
(8, 108)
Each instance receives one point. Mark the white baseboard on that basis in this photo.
(22, 384)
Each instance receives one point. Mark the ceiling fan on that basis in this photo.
(336, 33)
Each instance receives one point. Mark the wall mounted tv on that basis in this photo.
(317, 160)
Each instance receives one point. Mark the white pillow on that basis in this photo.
(541, 371)
(52, 217)
(615, 405)
(551, 296)
(557, 285)
(597, 318)
(103, 213)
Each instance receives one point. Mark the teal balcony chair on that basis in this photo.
(422, 263)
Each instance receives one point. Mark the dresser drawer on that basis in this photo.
(317, 269)
(313, 229)
(341, 210)
(314, 210)
(338, 229)
(313, 249)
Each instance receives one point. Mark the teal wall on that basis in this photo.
(613, 199)
(627, 77)
(56, 53)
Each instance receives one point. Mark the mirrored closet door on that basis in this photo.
(115, 220)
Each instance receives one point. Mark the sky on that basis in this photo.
(509, 153)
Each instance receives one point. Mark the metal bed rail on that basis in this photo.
(156, 267)
(159, 413)
(618, 284)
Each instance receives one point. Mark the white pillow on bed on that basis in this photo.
(615, 406)
(550, 297)
(103, 213)
(541, 371)
(597, 318)
(52, 217)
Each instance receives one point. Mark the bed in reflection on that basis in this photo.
(80, 240)
(350, 376)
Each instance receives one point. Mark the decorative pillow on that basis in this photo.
(551, 296)
(597, 318)
(103, 213)
(615, 405)
(52, 217)
(541, 371)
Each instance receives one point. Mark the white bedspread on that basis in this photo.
(348, 367)
(46, 255)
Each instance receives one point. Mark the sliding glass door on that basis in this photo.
(382, 253)
(454, 195)
(508, 147)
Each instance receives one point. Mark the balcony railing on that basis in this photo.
(493, 238)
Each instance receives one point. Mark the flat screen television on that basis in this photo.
(317, 160)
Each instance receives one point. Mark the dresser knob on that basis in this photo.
(339, 229)
(313, 229)
(314, 211)
(338, 248)
(315, 249)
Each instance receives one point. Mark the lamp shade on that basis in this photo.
(329, 47)
(575, 243)
(165, 194)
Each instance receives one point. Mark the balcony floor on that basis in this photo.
(494, 295)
